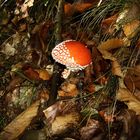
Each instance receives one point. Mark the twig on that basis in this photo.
(56, 73)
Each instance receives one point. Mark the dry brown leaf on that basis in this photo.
(87, 132)
(52, 111)
(32, 74)
(111, 44)
(22, 9)
(116, 68)
(9, 47)
(108, 24)
(68, 89)
(43, 74)
(68, 9)
(20, 123)
(44, 95)
(107, 46)
(132, 78)
(132, 82)
(99, 64)
(138, 44)
(14, 83)
(81, 7)
(64, 122)
(91, 88)
(106, 116)
(22, 27)
(108, 21)
(129, 99)
(130, 29)
(135, 71)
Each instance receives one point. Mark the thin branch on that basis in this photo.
(57, 70)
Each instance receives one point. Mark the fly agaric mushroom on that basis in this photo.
(73, 54)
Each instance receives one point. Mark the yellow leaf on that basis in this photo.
(43, 74)
(131, 28)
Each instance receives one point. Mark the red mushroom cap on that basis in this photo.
(73, 54)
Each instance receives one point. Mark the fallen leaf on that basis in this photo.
(116, 68)
(22, 8)
(108, 24)
(109, 21)
(34, 135)
(131, 29)
(32, 74)
(131, 11)
(23, 27)
(9, 47)
(129, 120)
(87, 132)
(52, 111)
(107, 46)
(14, 83)
(138, 44)
(91, 88)
(43, 74)
(111, 44)
(81, 6)
(20, 123)
(68, 9)
(60, 107)
(108, 117)
(63, 123)
(132, 78)
(129, 99)
(68, 89)
(44, 95)
(100, 65)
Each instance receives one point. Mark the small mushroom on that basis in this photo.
(73, 54)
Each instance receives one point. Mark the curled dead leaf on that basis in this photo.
(90, 130)
(116, 68)
(43, 74)
(129, 99)
(65, 122)
(68, 89)
(32, 74)
(81, 7)
(110, 20)
(44, 95)
(129, 120)
(70, 9)
(52, 111)
(107, 46)
(132, 78)
(131, 29)
(108, 24)
(111, 44)
(108, 118)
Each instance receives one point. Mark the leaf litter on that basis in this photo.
(100, 102)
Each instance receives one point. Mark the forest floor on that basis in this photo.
(101, 101)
